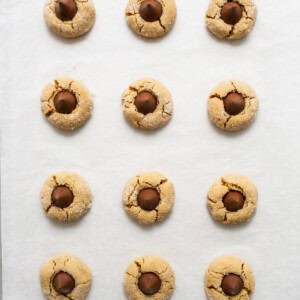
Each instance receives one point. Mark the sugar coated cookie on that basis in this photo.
(149, 277)
(147, 104)
(232, 105)
(66, 103)
(65, 277)
(148, 197)
(231, 19)
(151, 18)
(232, 199)
(66, 197)
(229, 278)
(70, 18)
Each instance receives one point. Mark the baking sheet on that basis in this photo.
(190, 151)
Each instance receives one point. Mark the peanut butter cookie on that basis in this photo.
(70, 18)
(66, 197)
(66, 103)
(65, 277)
(147, 104)
(149, 277)
(232, 199)
(229, 278)
(148, 197)
(231, 19)
(232, 105)
(151, 18)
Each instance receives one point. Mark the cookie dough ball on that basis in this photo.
(229, 278)
(65, 277)
(147, 104)
(149, 277)
(66, 103)
(232, 105)
(70, 18)
(66, 197)
(231, 19)
(148, 197)
(151, 18)
(232, 199)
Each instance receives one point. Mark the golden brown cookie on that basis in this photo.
(65, 277)
(147, 104)
(232, 105)
(151, 18)
(66, 197)
(66, 103)
(229, 278)
(149, 277)
(232, 199)
(148, 197)
(70, 18)
(231, 19)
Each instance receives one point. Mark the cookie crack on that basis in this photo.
(150, 184)
(216, 96)
(139, 266)
(50, 109)
(130, 275)
(211, 287)
(246, 13)
(225, 217)
(82, 283)
(137, 215)
(50, 282)
(47, 100)
(163, 181)
(164, 271)
(48, 208)
(161, 25)
(70, 84)
(217, 4)
(141, 120)
(55, 179)
(164, 111)
(248, 291)
(231, 185)
(130, 14)
(51, 205)
(211, 200)
(66, 261)
(129, 204)
(212, 18)
(49, 113)
(227, 120)
(231, 32)
(237, 91)
(234, 86)
(168, 281)
(65, 210)
(156, 217)
(140, 28)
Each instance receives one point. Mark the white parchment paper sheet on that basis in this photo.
(190, 151)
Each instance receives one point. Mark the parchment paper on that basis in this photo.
(190, 151)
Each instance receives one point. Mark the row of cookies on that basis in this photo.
(147, 104)
(149, 277)
(149, 197)
(230, 19)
